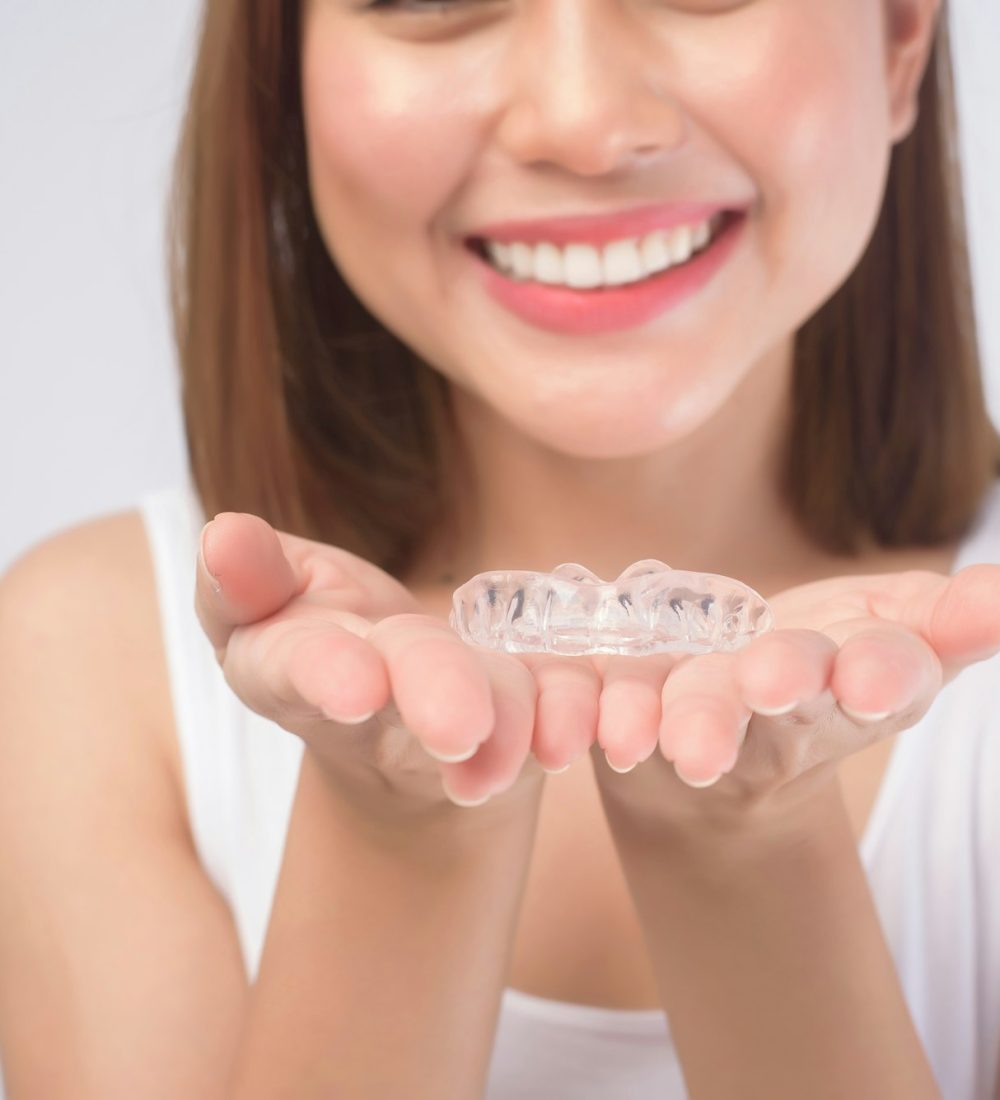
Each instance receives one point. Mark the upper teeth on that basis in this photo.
(583, 266)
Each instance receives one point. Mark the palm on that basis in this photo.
(851, 659)
(341, 654)
(957, 616)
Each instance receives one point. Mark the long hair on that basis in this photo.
(302, 407)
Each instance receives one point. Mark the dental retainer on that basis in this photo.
(650, 608)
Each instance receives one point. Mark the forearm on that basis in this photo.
(385, 958)
(771, 962)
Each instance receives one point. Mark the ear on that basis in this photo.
(910, 27)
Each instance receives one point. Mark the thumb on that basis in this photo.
(243, 575)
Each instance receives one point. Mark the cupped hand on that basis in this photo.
(400, 711)
(851, 660)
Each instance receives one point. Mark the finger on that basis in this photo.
(785, 670)
(439, 684)
(704, 719)
(956, 615)
(498, 761)
(566, 711)
(630, 708)
(882, 671)
(296, 668)
(244, 553)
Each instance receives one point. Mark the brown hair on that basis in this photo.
(300, 406)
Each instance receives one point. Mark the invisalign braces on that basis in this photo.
(649, 608)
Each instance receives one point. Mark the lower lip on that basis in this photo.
(609, 309)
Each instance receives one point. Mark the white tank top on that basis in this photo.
(930, 850)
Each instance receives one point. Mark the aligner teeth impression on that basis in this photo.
(649, 608)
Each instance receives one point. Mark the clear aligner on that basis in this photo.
(650, 608)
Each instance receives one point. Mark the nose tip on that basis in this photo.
(590, 93)
(589, 151)
(596, 135)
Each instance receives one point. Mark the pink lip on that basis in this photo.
(602, 228)
(606, 309)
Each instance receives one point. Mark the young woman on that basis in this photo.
(465, 285)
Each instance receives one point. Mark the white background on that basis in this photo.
(90, 102)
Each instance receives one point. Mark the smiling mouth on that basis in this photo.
(587, 266)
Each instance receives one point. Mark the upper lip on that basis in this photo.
(601, 228)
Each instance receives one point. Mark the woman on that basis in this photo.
(464, 286)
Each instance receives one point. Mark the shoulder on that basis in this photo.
(105, 548)
(94, 579)
(83, 602)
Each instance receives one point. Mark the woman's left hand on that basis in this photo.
(851, 660)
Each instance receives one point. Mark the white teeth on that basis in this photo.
(680, 245)
(548, 263)
(584, 269)
(522, 260)
(618, 263)
(499, 253)
(622, 263)
(655, 252)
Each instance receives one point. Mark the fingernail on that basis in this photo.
(697, 782)
(458, 758)
(213, 580)
(615, 768)
(774, 712)
(865, 716)
(556, 771)
(345, 720)
(464, 801)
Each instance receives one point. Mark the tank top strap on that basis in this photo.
(240, 769)
(173, 520)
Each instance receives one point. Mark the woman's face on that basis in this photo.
(427, 120)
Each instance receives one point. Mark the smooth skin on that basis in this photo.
(105, 908)
(344, 640)
(855, 658)
(859, 657)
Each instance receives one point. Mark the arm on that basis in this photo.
(120, 971)
(386, 953)
(395, 908)
(770, 959)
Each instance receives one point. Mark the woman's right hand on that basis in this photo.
(339, 653)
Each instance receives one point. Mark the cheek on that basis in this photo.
(380, 138)
(815, 135)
